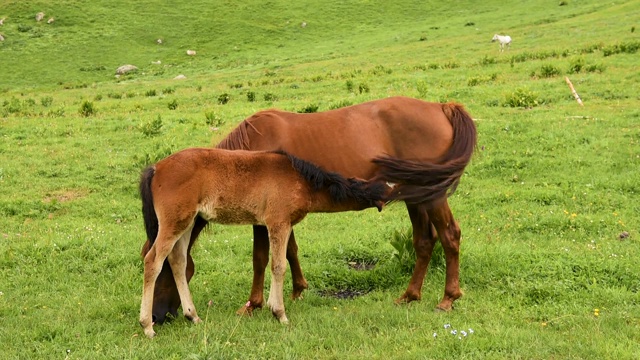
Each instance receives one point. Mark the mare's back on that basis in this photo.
(345, 140)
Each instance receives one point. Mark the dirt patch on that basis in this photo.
(62, 196)
(361, 266)
(345, 294)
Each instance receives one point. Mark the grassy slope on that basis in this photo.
(541, 206)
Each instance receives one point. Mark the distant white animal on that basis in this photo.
(503, 40)
(2, 21)
(39, 16)
(51, 20)
(191, 52)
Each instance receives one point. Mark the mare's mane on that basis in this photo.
(238, 138)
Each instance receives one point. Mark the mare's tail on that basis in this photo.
(424, 182)
(148, 210)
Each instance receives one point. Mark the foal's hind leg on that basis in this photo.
(178, 261)
(424, 238)
(279, 237)
(152, 266)
(449, 233)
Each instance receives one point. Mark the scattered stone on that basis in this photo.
(156, 62)
(623, 235)
(179, 77)
(1, 37)
(51, 20)
(2, 21)
(304, 24)
(126, 69)
(191, 52)
(39, 16)
(159, 41)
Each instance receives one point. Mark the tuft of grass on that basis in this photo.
(87, 109)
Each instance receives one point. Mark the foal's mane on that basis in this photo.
(340, 189)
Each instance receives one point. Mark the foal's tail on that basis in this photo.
(424, 182)
(148, 210)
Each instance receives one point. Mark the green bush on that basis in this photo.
(576, 65)
(173, 104)
(548, 70)
(150, 93)
(223, 99)
(46, 101)
(152, 127)
(521, 98)
(213, 119)
(251, 96)
(311, 108)
(87, 109)
(270, 97)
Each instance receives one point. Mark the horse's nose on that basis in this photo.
(158, 319)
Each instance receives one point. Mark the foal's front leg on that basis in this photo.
(278, 236)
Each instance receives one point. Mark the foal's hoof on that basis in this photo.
(283, 320)
(149, 333)
(406, 298)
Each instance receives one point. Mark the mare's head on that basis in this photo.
(495, 37)
(166, 299)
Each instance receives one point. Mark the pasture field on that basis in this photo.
(548, 207)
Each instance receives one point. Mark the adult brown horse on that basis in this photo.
(426, 147)
(211, 184)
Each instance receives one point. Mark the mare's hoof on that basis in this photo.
(247, 309)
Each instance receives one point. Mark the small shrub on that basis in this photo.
(363, 88)
(341, 104)
(522, 98)
(199, 88)
(405, 255)
(114, 95)
(251, 96)
(150, 93)
(98, 97)
(24, 28)
(223, 99)
(423, 89)
(488, 60)
(173, 104)
(595, 68)
(87, 109)
(433, 66)
(236, 86)
(450, 65)
(168, 90)
(563, 3)
(469, 23)
(131, 94)
(12, 107)
(311, 108)
(46, 101)
(151, 128)
(381, 70)
(270, 97)
(423, 38)
(548, 70)
(317, 78)
(576, 65)
(213, 119)
(349, 85)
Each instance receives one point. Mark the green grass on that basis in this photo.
(542, 205)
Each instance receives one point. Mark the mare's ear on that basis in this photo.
(145, 248)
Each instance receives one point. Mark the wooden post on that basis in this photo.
(573, 91)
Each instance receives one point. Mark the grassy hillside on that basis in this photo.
(548, 206)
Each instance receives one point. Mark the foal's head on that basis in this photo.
(166, 299)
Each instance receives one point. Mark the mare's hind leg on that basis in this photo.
(178, 261)
(449, 232)
(260, 261)
(424, 238)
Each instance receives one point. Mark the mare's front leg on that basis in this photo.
(178, 261)
(424, 239)
(260, 261)
(279, 236)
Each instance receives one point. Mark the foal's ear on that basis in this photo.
(145, 248)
